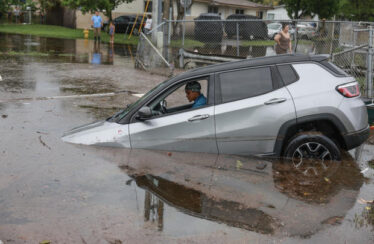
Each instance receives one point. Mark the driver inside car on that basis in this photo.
(193, 93)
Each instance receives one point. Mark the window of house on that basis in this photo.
(241, 84)
(239, 11)
(260, 14)
(271, 16)
(188, 12)
(213, 9)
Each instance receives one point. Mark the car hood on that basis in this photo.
(101, 133)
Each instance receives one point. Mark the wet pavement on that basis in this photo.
(64, 193)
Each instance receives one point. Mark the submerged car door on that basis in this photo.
(180, 128)
(251, 106)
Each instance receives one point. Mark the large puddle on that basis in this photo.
(64, 193)
(66, 50)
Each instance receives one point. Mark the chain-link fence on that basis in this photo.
(203, 41)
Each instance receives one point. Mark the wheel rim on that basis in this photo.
(312, 158)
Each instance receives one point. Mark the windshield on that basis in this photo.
(273, 26)
(121, 114)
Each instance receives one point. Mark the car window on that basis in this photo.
(178, 97)
(241, 84)
(287, 73)
(175, 99)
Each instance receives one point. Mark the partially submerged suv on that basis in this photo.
(296, 106)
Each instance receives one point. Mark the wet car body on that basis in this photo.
(232, 126)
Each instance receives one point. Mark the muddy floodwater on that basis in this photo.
(64, 193)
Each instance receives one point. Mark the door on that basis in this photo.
(251, 107)
(176, 125)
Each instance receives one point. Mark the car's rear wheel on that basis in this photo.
(312, 152)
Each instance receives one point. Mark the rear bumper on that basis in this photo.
(355, 139)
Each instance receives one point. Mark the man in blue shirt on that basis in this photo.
(97, 23)
(192, 90)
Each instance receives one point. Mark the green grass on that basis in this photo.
(61, 32)
(268, 43)
(32, 54)
(188, 43)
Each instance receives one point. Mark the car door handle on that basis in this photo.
(275, 100)
(198, 117)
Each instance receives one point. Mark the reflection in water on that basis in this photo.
(248, 193)
(197, 204)
(65, 50)
(96, 55)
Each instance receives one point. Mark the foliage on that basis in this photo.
(267, 2)
(297, 9)
(359, 10)
(98, 5)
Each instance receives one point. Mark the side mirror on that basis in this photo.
(144, 113)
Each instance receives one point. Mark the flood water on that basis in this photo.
(67, 50)
(65, 193)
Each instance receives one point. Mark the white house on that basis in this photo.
(280, 13)
(224, 7)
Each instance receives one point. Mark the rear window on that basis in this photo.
(241, 84)
(335, 69)
(288, 74)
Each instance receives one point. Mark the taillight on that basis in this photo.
(349, 90)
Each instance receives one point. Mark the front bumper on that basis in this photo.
(355, 139)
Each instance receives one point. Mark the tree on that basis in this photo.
(359, 10)
(95, 5)
(297, 9)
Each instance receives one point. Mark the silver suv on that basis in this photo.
(296, 106)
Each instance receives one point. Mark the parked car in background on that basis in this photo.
(275, 28)
(124, 23)
(208, 28)
(250, 27)
(295, 106)
(306, 32)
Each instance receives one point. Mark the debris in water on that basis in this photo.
(45, 242)
(333, 220)
(261, 165)
(43, 143)
(363, 171)
(239, 164)
(363, 201)
(4, 116)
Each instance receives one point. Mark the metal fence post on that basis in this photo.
(184, 24)
(237, 39)
(169, 24)
(369, 80)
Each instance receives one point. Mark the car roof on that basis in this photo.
(242, 16)
(253, 62)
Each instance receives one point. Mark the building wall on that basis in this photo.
(83, 21)
(133, 8)
(279, 14)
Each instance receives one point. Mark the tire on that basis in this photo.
(312, 153)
